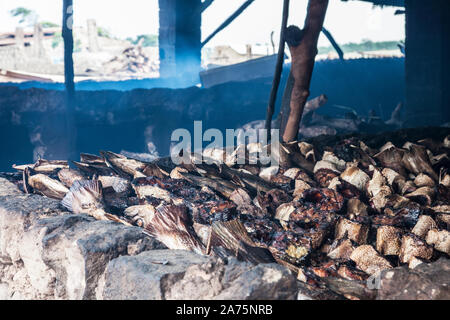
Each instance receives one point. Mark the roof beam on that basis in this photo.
(230, 19)
(205, 4)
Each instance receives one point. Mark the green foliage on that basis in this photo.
(365, 45)
(48, 24)
(57, 40)
(23, 13)
(102, 32)
(77, 45)
(149, 40)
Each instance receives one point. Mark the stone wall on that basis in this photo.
(48, 253)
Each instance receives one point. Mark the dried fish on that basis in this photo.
(423, 225)
(423, 180)
(141, 215)
(389, 240)
(69, 176)
(416, 160)
(86, 197)
(391, 157)
(440, 239)
(44, 166)
(47, 186)
(171, 225)
(233, 236)
(341, 249)
(125, 165)
(424, 195)
(354, 230)
(414, 247)
(356, 177)
(368, 260)
(118, 184)
(318, 216)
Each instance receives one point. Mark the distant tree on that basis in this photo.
(365, 45)
(57, 39)
(48, 24)
(24, 15)
(102, 32)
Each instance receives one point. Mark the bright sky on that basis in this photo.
(348, 21)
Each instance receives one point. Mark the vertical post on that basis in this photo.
(93, 35)
(180, 38)
(20, 37)
(67, 33)
(427, 66)
(68, 46)
(249, 51)
(38, 45)
(302, 67)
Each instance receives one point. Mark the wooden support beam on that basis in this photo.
(68, 46)
(206, 4)
(333, 43)
(303, 57)
(69, 127)
(230, 19)
(278, 69)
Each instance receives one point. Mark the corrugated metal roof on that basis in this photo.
(395, 3)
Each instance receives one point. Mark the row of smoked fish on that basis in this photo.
(349, 213)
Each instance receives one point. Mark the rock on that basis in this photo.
(235, 281)
(428, 281)
(73, 250)
(8, 188)
(18, 212)
(4, 291)
(146, 276)
(47, 253)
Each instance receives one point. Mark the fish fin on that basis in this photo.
(171, 226)
(84, 195)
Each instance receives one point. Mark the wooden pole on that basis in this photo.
(278, 70)
(230, 19)
(68, 46)
(302, 67)
(333, 43)
(67, 33)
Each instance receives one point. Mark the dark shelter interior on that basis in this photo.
(362, 188)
